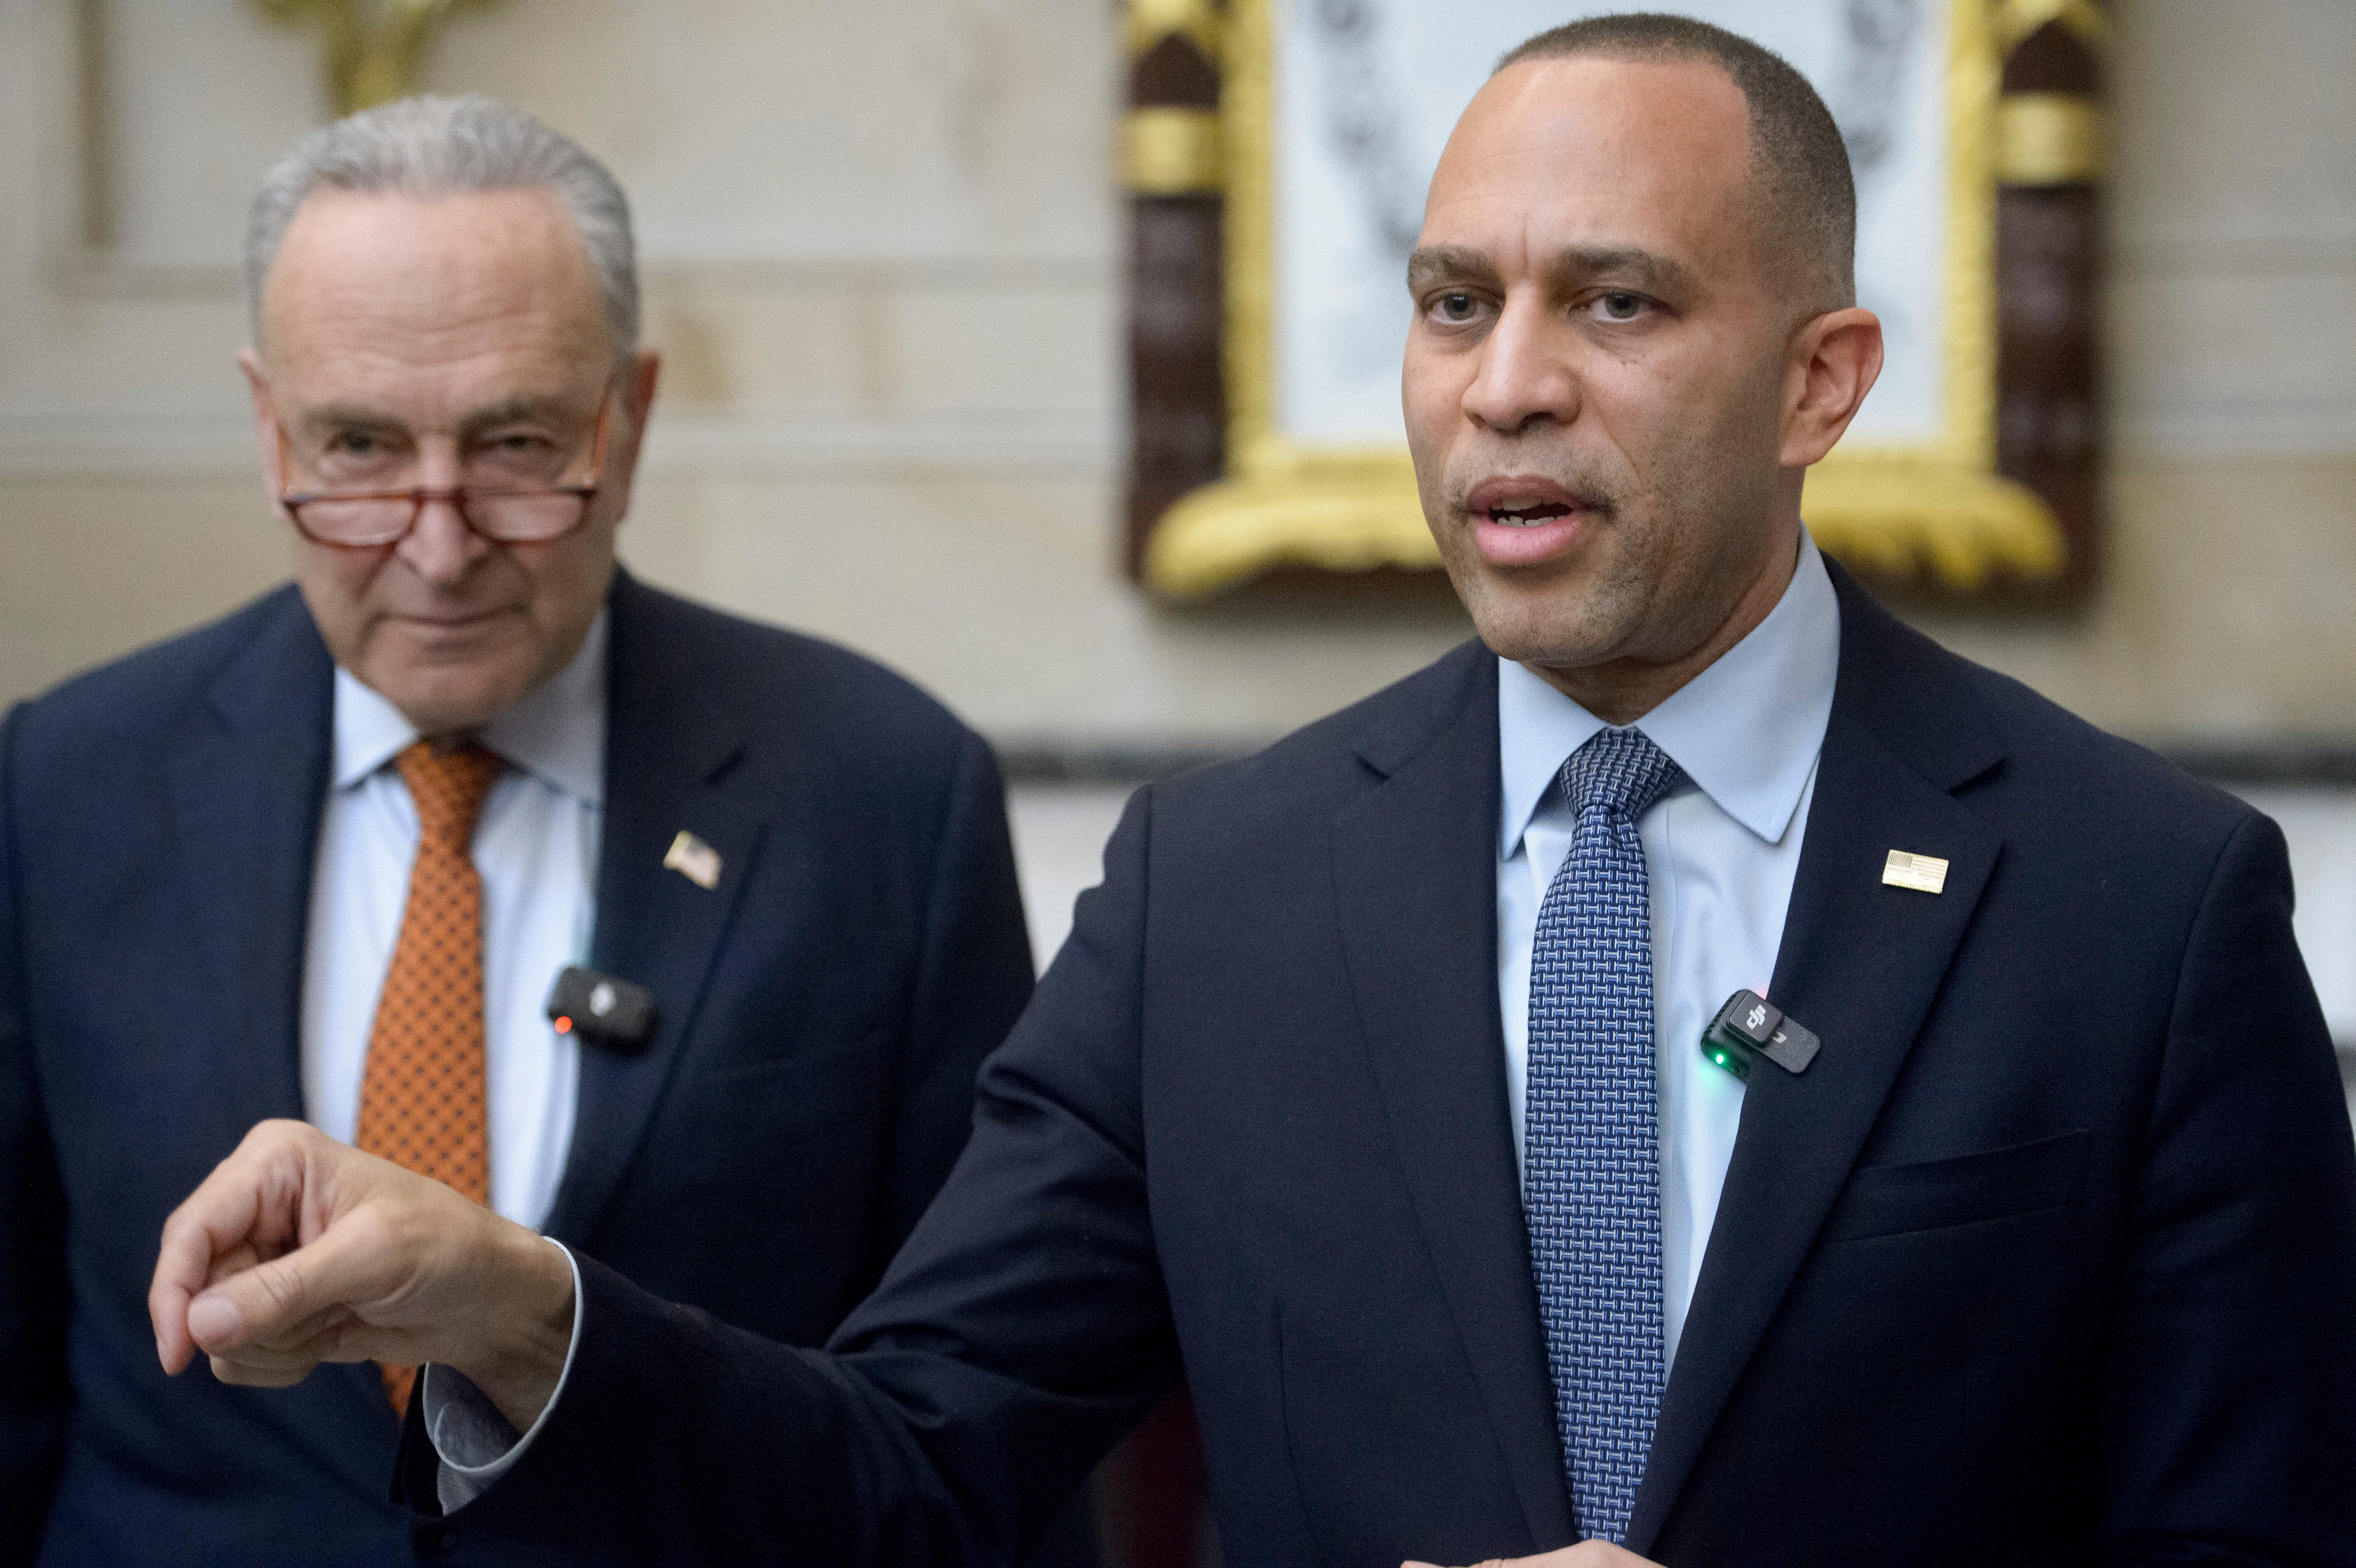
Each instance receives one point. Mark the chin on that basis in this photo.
(1558, 625)
(438, 704)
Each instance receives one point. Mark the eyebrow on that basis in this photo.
(346, 416)
(519, 407)
(1434, 265)
(1646, 269)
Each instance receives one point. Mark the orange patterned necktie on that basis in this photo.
(423, 1103)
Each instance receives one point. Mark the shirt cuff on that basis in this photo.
(476, 1444)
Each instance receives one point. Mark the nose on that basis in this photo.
(442, 549)
(1526, 373)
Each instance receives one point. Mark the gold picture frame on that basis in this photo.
(1935, 508)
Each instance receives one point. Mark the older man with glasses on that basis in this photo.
(327, 859)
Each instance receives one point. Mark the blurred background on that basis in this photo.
(886, 260)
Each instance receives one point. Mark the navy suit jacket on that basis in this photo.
(2049, 1257)
(822, 1014)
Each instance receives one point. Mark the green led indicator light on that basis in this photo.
(1730, 1056)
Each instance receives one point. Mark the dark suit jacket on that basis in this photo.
(822, 1014)
(2050, 1257)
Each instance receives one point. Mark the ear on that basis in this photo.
(638, 385)
(638, 378)
(266, 426)
(1834, 360)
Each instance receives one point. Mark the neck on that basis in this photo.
(1622, 691)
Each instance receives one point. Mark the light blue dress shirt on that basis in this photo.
(1720, 855)
(536, 848)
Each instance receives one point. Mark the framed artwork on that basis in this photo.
(1324, 121)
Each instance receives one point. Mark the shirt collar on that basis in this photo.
(1746, 731)
(556, 732)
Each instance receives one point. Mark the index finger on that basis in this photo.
(231, 1207)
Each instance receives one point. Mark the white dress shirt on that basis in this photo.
(536, 848)
(1721, 850)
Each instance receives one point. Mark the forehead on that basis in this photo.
(380, 278)
(1590, 150)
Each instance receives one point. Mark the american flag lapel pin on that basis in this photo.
(693, 858)
(1923, 873)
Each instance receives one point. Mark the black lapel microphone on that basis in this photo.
(1749, 1027)
(601, 1009)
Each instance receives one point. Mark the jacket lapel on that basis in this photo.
(248, 783)
(248, 779)
(1860, 965)
(1415, 877)
(674, 761)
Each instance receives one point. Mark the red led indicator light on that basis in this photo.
(564, 1026)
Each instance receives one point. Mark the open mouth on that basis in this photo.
(1524, 520)
(1527, 514)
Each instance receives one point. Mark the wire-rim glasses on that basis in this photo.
(504, 514)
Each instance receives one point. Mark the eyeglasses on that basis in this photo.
(506, 514)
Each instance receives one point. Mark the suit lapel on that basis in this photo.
(1859, 963)
(247, 780)
(674, 761)
(248, 783)
(1415, 878)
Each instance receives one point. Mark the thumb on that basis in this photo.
(284, 1298)
(260, 1303)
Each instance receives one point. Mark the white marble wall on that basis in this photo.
(883, 261)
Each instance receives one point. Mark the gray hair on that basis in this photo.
(431, 146)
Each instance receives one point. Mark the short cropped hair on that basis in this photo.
(1802, 192)
(429, 146)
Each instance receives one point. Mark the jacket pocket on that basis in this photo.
(1934, 1194)
(800, 1061)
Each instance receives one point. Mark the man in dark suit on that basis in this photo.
(207, 902)
(1370, 1086)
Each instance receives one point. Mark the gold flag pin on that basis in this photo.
(1923, 873)
(700, 863)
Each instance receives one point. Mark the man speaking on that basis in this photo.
(1372, 1087)
(325, 857)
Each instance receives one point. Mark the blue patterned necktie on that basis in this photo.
(1592, 1190)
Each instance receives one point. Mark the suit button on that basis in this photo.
(433, 1537)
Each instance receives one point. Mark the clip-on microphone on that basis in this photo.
(1749, 1027)
(602, 1009)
